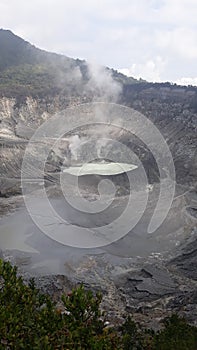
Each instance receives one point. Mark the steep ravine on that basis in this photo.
(150, 287)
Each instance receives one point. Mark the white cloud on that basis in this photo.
(181, 41)
(187, 81)
(179, 12)
(149, 70)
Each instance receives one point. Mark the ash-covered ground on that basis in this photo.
(149, 275)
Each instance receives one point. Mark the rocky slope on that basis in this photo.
(34, 85)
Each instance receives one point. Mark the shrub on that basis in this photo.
(30, 320)
(135, 337)
(176, 335)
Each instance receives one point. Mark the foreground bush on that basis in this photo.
(176, 334)
(30, 320)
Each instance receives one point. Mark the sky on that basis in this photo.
(151, 39)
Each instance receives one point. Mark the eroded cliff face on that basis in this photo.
(16, 117)
(18, 121)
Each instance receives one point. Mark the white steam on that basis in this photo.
(101, 145)
(74, 145)
(102, 84)
(100, 87)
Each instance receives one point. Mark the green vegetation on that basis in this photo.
(23, 79)
(176, 334)
(28, 71)
(31, 320)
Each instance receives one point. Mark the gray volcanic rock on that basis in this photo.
(149, 283)
(186, 261)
